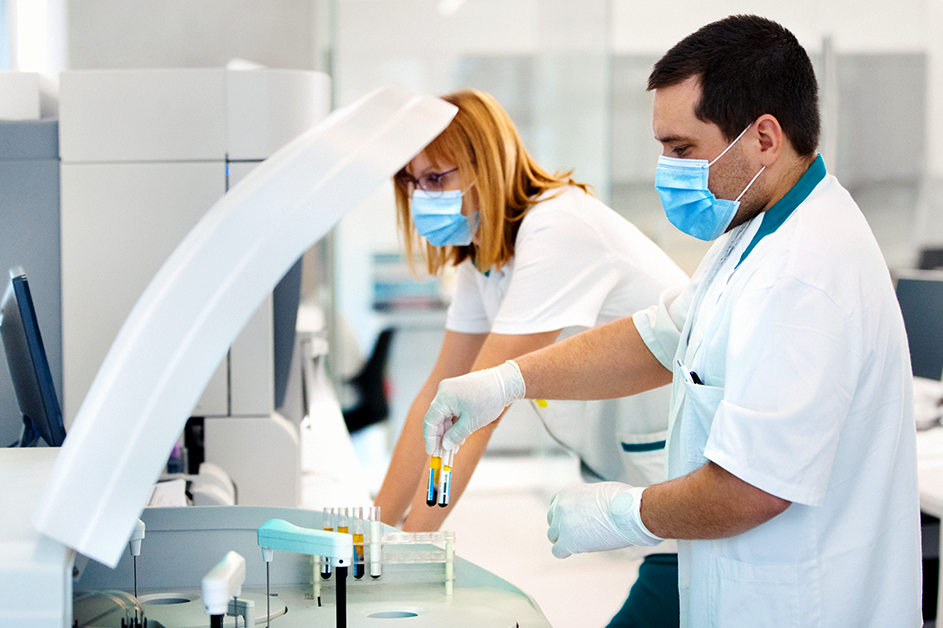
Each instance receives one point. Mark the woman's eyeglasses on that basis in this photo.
(432, 183)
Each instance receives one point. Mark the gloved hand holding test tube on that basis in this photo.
(470, 401)
(463, 405)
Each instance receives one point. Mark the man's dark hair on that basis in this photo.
(748, 66)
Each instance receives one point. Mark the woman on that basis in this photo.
(538, 258)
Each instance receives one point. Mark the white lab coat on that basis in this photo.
(807, 395)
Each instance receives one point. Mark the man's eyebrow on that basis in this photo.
(671, 139)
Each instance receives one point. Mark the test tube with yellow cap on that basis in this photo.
(445, 478)
(435, 468)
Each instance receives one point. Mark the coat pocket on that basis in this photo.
(643, 457)
(697, 416)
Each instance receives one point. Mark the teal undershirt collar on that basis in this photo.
(778, 213)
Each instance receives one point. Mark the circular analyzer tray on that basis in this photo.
(427, 614)
(294, 608)
(184, 609)
(181, 610)
(167, 609)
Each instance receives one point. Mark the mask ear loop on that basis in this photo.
(729, 146)
(750, 184)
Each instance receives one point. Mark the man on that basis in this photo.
(791, 455)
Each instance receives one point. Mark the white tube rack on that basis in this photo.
(407, 548)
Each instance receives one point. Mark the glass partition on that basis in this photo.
(572, 76)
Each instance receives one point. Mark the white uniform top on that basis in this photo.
(578, 264)
(792, 324)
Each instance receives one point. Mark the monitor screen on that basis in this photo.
(920, 294)
(29, 368)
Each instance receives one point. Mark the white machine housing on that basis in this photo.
(173, 339)
(26, 96)
(144, 153)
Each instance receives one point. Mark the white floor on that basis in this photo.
(501, 525)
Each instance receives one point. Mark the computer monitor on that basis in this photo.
(920, 294)
(29, 368)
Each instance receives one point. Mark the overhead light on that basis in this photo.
(448, 7)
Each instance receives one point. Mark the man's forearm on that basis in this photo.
(709, 503)
(601, 363)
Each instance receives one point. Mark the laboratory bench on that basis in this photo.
(930, 481)
(369, 606)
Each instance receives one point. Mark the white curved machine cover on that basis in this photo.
(202, 297)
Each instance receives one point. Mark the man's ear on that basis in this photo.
(770, 139)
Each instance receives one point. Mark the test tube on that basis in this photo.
(358, 542)
(376, 529)
(445, 481)
(328, 525)
(435, 467)
(315, 579)
(343, 516)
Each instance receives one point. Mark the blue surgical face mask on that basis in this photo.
(438, 218)
(688, 203)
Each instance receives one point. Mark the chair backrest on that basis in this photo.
(370, 385)
(930, 259)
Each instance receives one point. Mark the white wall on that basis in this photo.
(410, 42)
(933, 17)
(869, 25)
(183, 34)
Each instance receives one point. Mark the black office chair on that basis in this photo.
(930, 259)
(370, 386)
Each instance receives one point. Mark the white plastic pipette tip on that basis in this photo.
(223, 582)
(137, 535)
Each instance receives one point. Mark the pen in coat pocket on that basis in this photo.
(689, 375)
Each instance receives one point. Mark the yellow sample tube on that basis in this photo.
(435, 469)
(435, 464)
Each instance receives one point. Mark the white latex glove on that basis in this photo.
(476, 399)
(597, 517)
